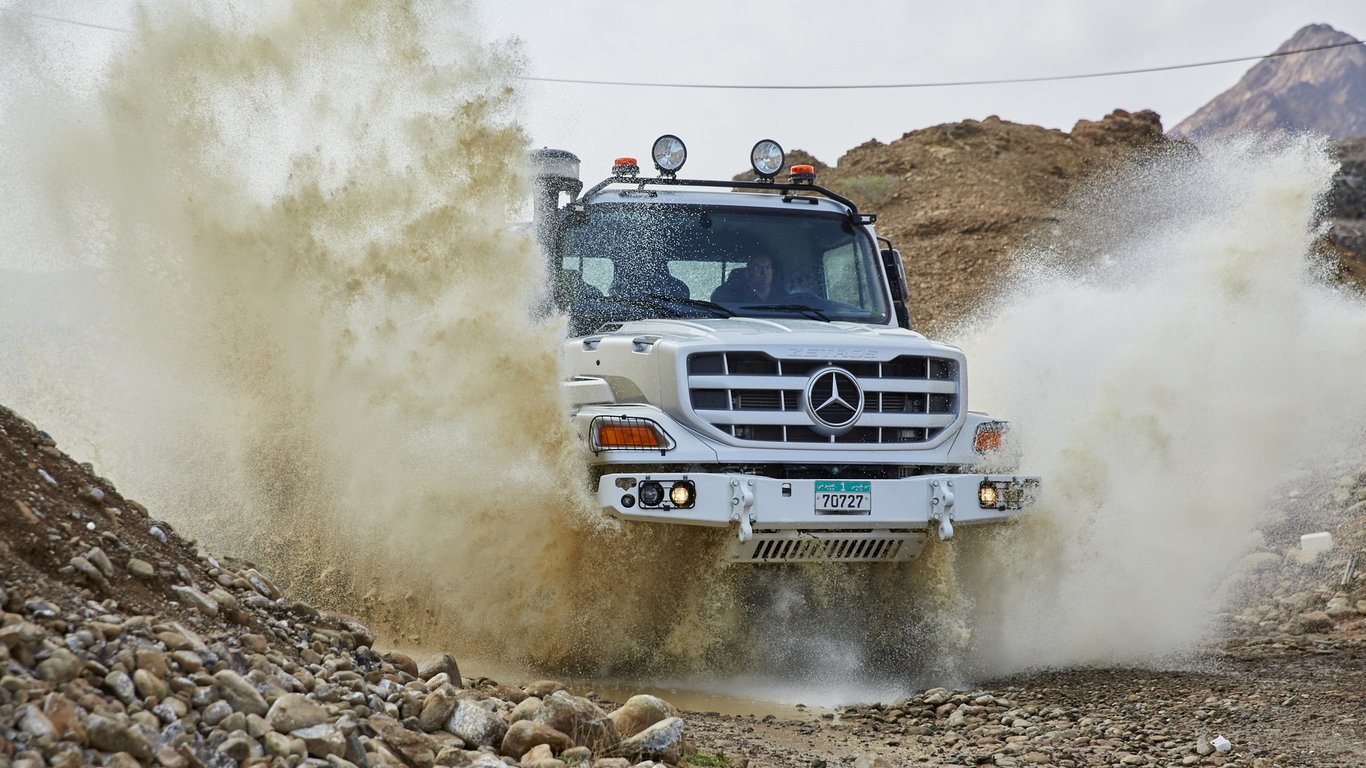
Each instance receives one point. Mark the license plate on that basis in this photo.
(844, 497)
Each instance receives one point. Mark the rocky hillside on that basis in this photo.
(1323, 91)
(959, 199)
(123, 644)
(1345, 210)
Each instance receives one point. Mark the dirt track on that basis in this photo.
(1301, 708)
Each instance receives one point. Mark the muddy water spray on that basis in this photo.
(263, 276)
(1166, 366)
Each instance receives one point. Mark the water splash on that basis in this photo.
(264, 273)
(1174, 357)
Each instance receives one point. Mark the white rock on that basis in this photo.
(1316, 542)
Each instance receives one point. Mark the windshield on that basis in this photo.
(637, 260)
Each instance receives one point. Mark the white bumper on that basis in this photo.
(903, 508)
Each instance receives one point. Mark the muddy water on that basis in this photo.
(262, 268)
(1173, 363)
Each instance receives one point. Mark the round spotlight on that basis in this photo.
(681, 494)
(628, 501)
(669, 153)
(650, 493)
(986, 495)
(767, 158)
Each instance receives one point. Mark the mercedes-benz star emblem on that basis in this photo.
(833, 400)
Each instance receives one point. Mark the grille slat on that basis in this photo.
(828, 546)
(755, 397)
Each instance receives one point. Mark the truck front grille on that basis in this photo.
(754, 396)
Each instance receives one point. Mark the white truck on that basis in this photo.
(740, 354)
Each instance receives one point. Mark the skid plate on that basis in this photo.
(828, 547)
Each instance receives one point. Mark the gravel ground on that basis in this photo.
(1301, 708)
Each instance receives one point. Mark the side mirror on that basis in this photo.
(896, 273)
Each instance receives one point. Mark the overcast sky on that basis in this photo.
(819, 42)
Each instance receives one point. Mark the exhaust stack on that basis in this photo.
(554, 171)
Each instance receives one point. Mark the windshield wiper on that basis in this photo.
(699, 303)
(806, 309)
(660, 300)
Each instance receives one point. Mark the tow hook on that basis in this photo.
(742, 507)
(941, 507)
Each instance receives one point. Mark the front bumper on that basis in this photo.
(753, 503)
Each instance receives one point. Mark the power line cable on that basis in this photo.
(60, 20)
(872, 86)
(942, 84)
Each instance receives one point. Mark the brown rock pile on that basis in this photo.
(1285, 599)
(122, 644)
(958, 200)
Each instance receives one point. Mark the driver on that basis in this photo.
(751, 285)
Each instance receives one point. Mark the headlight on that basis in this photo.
(651, 493)
(669, 153)
(767, 158)
(986, 495)
(682, 494)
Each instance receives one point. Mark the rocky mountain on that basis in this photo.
(1323, 91)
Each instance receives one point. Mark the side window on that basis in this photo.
(844, 278)
(597, 272)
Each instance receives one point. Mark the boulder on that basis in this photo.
(578, 718)
(1315, 621)
(577, 755)
(522, 735)
(149, 686)
(200, 601)
(141, 569)
(1339, 609)
(415, 749)
(437, 708)
(240, 693)
(640, 712)
(661, 741)
(401, 661)
(62, 666)
(525, 709)
(436, 665)
(536, 754)
(293, 711)
(322, 740)
(36, 725)
(476, 726)
(543, 688)
(108, 735)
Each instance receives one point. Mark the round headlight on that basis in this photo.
(767, 158)
(651, 493)
(669, 153)
(986, 496)
(681, 494)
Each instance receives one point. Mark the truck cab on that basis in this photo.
(741, 355)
